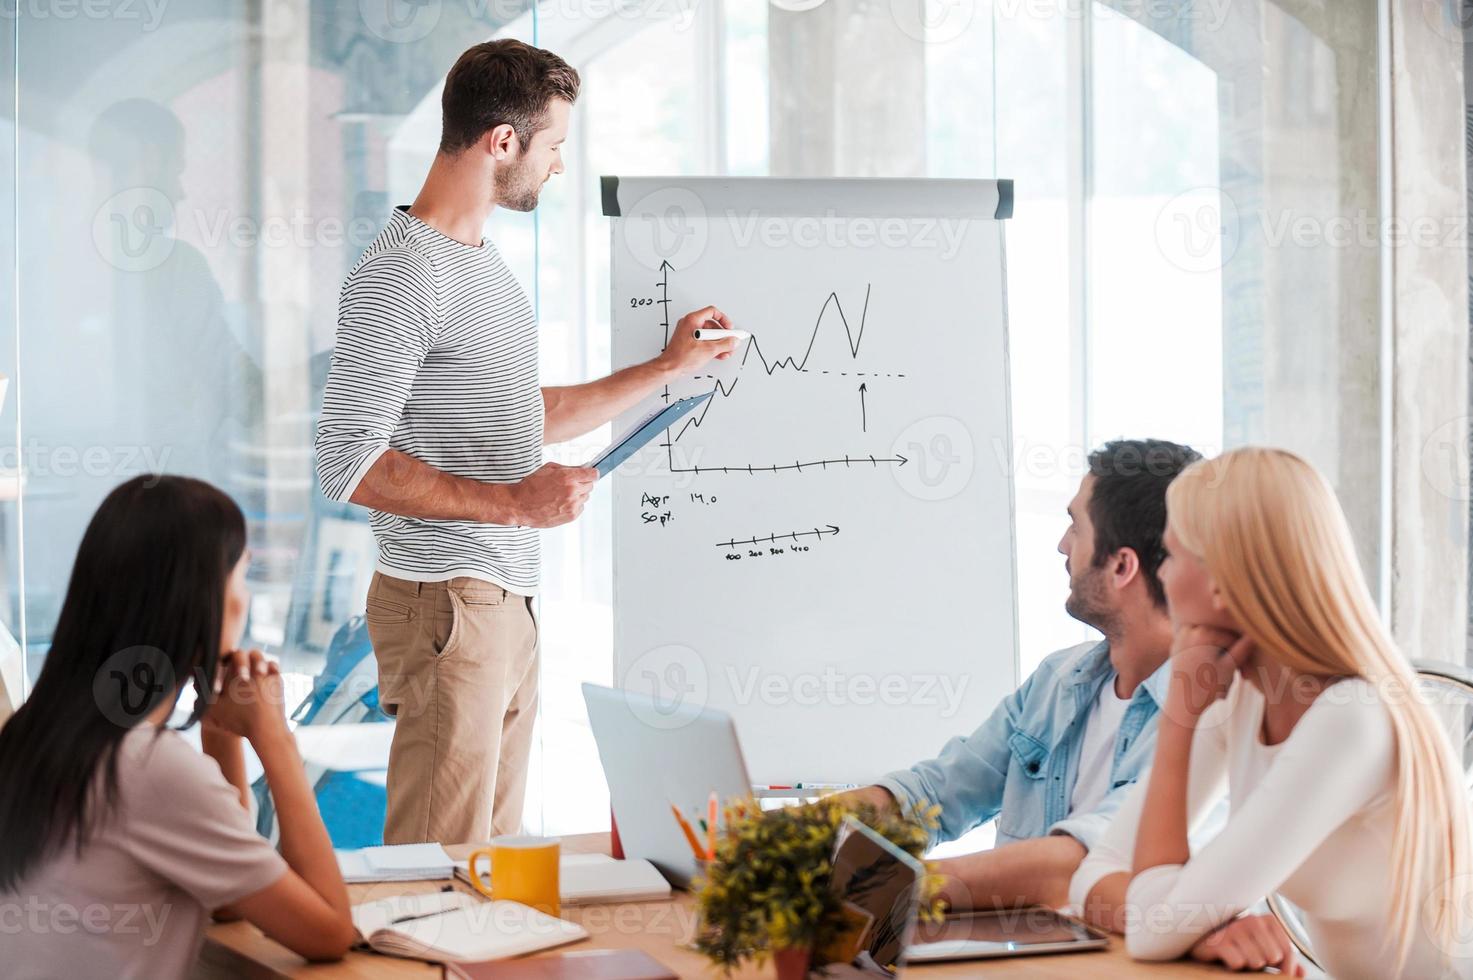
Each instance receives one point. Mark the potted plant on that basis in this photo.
(767, 892)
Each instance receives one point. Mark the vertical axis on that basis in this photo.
(664, 285)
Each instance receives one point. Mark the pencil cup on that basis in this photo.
(523, 869)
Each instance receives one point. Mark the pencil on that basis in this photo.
(690, 835)
(711, 827)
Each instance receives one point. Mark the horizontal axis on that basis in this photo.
(775, 537)
(847, 461)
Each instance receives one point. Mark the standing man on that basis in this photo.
(434, 419)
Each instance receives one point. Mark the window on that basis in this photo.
(192, 191)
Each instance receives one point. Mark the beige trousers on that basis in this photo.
(457, 665)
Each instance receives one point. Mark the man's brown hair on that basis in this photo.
(505, 82)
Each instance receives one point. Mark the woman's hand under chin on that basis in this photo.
(1203, 662)
(247, 697)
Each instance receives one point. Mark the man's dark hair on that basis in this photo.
(1128, 503)
(505, 82)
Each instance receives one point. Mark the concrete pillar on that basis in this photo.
(1300, 176)
(1429, 323)
(281, 173)
(847, 90)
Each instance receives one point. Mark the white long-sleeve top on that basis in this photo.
(1312, 817)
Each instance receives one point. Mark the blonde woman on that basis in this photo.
(1288, 696)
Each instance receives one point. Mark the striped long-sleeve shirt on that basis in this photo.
(436, 356)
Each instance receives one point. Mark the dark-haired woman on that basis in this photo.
(117, 838)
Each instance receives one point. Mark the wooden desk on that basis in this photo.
(237, 949)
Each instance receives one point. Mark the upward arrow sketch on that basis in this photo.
(863, 418)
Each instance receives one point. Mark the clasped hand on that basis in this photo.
(1203, 662)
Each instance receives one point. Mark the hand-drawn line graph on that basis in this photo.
(790, 362)
(816, 533)
(853, 338)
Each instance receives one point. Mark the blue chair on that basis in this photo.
(345, 692)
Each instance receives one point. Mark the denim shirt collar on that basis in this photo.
(1157, 684)
(1095, 666)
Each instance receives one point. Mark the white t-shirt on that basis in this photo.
(1313, 817)
(1093, 779)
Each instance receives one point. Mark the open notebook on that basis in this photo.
(450, 927)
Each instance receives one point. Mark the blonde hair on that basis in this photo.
(1269, 530)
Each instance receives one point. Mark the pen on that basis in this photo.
(422, 915)
(707, 333)
(690, 835)
(411, 917)
(711, 827)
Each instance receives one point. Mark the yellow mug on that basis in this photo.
(523, 869)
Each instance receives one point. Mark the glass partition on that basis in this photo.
(188, 185)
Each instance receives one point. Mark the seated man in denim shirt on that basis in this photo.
(1054, 760)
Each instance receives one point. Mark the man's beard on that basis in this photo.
(1086, 601)
(516, 188)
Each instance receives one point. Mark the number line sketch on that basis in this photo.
(775, 537)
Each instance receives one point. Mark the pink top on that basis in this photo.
(138, 899)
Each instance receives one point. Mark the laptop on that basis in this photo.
(655, 755)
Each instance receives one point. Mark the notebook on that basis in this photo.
(452, 927)
(585, 879)
(581, 964)
(395, 862)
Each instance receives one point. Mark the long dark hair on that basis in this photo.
(143, 614)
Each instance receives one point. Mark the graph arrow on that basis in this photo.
(863, 418)
(775, 537)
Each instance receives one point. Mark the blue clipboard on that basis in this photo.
(643, 431)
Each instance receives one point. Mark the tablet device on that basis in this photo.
(638, 435)
(1003, 932)
(879, 885)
